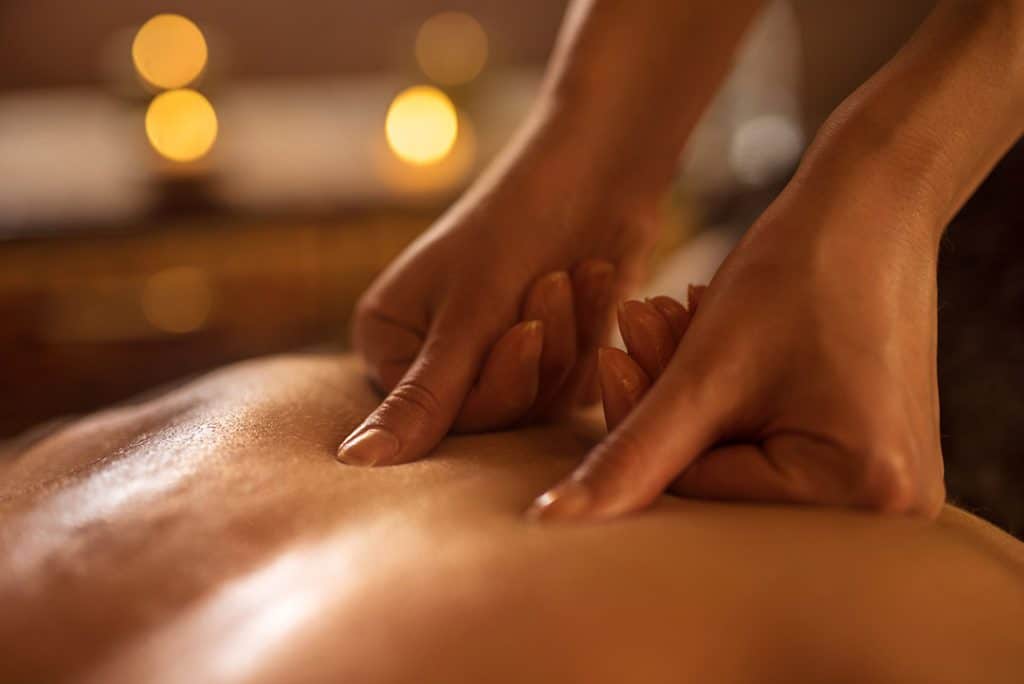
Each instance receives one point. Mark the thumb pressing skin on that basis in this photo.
(421, 408)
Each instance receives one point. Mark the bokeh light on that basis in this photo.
(169, 51)
(451, 48)
(412, 182)
(421, 125)
(181, 125)
(765, 148)
(178, 299)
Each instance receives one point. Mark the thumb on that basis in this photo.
(421, 408)
(674, 423)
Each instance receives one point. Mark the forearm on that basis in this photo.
(921, 134)
(629, 79)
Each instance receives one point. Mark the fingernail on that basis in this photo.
(532, 328)
(566, 501)
(674, 313)
(368, 448)
(616, 368)
(646, 333)
(636, 313)
(534, 332)
(543, 298)
(557, 287)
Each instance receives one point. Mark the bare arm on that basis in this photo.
(631, 79)
(826, 391)
(924, 131)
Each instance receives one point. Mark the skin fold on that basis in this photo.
(206, 533)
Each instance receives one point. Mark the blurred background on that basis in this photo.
(186, 184)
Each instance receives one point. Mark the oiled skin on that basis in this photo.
(208, 534)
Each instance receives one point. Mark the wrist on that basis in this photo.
(556, 159)
(907, 149)
(874, 177)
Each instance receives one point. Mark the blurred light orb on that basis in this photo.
(421, 125)
(181, 125)
(411, 182)
(178, 299)
(765, 147)
(169, 51)
(451, 48)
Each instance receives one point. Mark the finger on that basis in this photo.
(623, 381)
(677, 420)
(623, 384)
(647, 335)
(581, 387)
(508, 382)
(550, 301)
(694, 293)
(593, 291)
(422, 406)
(388, 346)
(387, 374)
(674, 313)
(593, 288)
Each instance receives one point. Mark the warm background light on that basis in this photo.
(414, 182)
(177, 299)
(421, 125)
(169, 51)
(181, 125)
(451, 48)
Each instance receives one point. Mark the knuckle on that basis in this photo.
(887, 482)
(707, 387)
(366, 322)
(369, 305)
(934, 500)
(414, 400)
(364, 307)
(382, 338)
(621, 476)
(614, 467)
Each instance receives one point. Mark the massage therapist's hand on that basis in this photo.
(427, 325)
(578, 184)
(807, 374)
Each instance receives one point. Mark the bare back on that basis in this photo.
(208, 534)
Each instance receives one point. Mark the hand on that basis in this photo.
(508, 383)
(556, 306)
(427, 324)
(652, 330)
(807, 375)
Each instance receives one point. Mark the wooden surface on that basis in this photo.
(76, 336)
